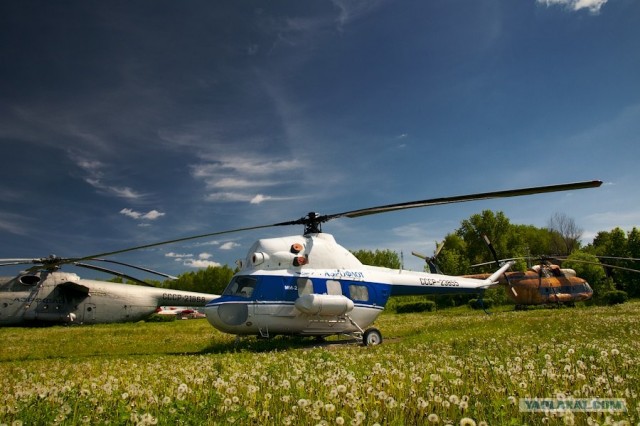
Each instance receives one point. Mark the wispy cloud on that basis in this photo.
(178, 256)
(246, 198)
(12, 223)
(592, 6)
(94, 175)
(236, 179)
(350, 10)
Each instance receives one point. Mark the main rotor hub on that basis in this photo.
(313, 223)
(51, 263)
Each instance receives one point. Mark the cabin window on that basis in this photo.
(359, 292)
(334, 288)
(305, 286)
(29, 280)
(242, 286)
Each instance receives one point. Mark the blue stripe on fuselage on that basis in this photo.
(284, 289)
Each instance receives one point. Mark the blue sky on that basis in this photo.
(125, 123)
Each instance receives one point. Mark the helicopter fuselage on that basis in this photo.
(311, 285)
(546, 284)
(47, 298)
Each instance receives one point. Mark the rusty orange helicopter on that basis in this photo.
(544, 283)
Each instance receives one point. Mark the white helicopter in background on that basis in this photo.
(44, 295)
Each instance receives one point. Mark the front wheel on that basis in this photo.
(371, 337)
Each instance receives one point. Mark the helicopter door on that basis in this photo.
(89, 313)
(268, 296)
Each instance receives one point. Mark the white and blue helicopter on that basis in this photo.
(309, 285)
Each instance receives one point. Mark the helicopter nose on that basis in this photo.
(226, 316)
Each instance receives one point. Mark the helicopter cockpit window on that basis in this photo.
(359, 292)
(242, 286)
(305, 286)
(334, 288)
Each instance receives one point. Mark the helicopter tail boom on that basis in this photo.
(493, 278)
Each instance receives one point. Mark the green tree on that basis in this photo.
(211, 280)
(618, 244)
(494, 225)
(384, 258)
(453, 262)
(587, 266)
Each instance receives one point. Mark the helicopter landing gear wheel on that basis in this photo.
(372, 337)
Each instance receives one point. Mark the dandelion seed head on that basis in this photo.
(467, 421)
(302, 403)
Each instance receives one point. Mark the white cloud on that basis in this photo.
(150, 215)
(592, 5)
(260, 198)
(178, 255)
(189, 260)
(153, 215)
(230, 245)
(200, 263)
(124, 192)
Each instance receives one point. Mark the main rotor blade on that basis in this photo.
(634, 259)
(177, 240)
(471, 197)
(116, 273)
(140, 268)
(604, 265)
(11, 262)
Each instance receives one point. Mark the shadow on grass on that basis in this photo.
(278, 343)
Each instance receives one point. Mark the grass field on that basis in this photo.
(448, 367)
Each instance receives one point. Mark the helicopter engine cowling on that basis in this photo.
(324, 304)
